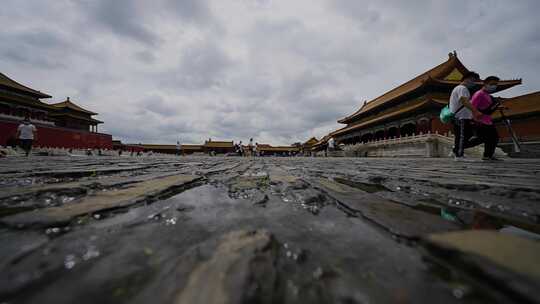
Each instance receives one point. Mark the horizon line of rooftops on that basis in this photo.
(223, 143)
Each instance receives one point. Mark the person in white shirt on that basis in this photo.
(331, 145)
(463, 110)
(240, 149)
(26, 133)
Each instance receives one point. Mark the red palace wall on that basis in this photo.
(441, 128)
(134, 148)
(526, 129)
(58, 137)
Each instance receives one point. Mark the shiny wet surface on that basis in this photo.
(318, 245)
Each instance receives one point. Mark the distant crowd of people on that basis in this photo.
(251, 149)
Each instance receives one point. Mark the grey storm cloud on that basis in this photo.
(139, 19)
(193, 11)
(279, 71)
(145, 57)
(202, 65)
(156, 105)
(122, 17)
(36, 48)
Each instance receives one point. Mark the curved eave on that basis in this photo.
(89, 119)
(310, 141)
(433, 82)
(501, 86)
(521, 106)
(336, 132)
(439, 71)
(20, 88)
(14, 100)
(37, 95)
(364, 111)
(422, 104)
(63, 105)
(321, 142)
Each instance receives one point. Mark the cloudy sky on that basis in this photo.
(278, 71)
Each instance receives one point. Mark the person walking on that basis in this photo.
(26, 133)
(236, 149)
(241, 148)
(331, 147)
(486, 105)
(464, 112)
(250, 147)
(178, 148)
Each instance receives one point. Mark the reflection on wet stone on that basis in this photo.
(267, 230)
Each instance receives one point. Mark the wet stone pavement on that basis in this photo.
(268, 230)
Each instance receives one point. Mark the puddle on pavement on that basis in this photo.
(475, 216)
(512, 230)
(205, 194)
(153, 207)
(18, 182)
(367, 187)
(168, 210)
(22, 203)
(6, 211)
(310, 200)
(457, 286)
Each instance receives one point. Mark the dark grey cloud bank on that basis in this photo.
(279, 71)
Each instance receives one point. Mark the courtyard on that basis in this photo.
(268, 230)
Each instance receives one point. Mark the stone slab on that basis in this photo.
(517, 254)
(504, 266)
(241, 270)
(101, 201)
(332, 241)
(398, 219)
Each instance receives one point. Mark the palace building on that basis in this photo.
(70, 115)
(18, 101)
(218, 147)
(321, 144)
(411, 108)
(63, 124)
(524, 114)
(305, 149)
(268, 150)
(172, 149)
(192, 149)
